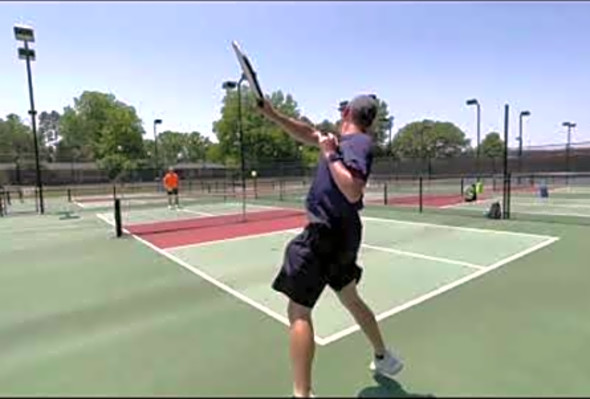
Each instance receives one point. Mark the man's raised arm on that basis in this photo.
(299, 130)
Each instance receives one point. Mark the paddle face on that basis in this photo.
(249, 73)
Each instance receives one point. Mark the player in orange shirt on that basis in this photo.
(171, 185)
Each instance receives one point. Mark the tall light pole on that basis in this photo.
(522, 114)
(474, 101)
(156, 122)
(570, 126)
(228, 86)
(27, 35)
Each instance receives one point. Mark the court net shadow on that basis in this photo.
(388, 388)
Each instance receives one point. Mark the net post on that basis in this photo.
(1, 203)
(118, 224)
(281, 197)
(114, 191)
(8, 199)
(462, 186)
(69, 195)
(420, 192)
(385, 193)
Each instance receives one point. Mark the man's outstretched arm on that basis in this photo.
(299, 130)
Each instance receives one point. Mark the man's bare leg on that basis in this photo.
(363, 315)
(384, 362)
(302, 348)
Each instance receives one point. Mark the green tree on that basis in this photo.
(197, 146)
(16, 139)
(492, 147)
(263, 140)
(104, 128)
(380, 128)
(327, 127)
(171, 147)
(214, 154)
(428, 139)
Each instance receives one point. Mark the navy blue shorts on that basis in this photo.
(317, 257)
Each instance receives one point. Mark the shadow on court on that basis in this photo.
(387, 388)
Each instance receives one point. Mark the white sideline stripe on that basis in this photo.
(196, 213)
(547, 212)
(554, 213)
(421, 256)
(81, 205)
(550, 204)
(297, 231)
(447, 226)
(460, 228)
(468, 205)
(441, 290)
(345, 332)
(282, 319)
(240, 238)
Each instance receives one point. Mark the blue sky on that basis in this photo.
(168, 59)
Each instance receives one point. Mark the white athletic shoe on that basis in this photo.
(388, 366)
(169, 206)
(311, 395)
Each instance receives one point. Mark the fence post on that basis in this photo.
(420, 190)
(385, 193)
(509, 194)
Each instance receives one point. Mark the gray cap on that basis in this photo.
(363, 109)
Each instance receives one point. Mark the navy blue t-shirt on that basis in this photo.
(325, 202)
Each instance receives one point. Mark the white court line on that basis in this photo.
(459, 228)
(347, 331)
(552, 213)
(550, 204)
(240, 238)
(297, 231)
(447, 226)
(467, 205)
(269, 312)
(515, 210)
(79, 204)
(421, 256)
(196, 213)
(343, 333)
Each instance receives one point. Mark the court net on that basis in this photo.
(149, 214)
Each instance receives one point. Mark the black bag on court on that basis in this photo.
(495, 211)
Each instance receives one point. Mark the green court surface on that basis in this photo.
(473, 306)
